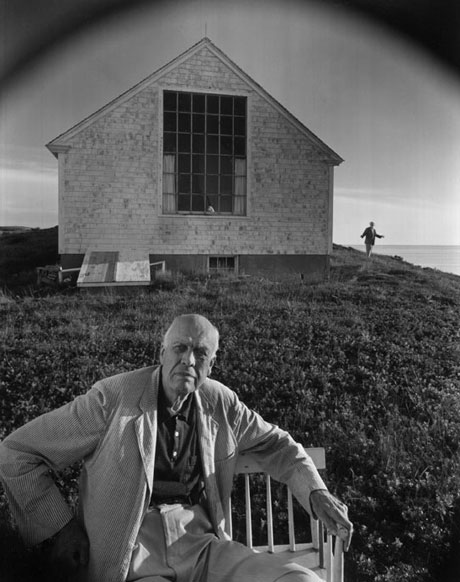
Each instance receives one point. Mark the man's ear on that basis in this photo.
(162, 351)
(211, 364)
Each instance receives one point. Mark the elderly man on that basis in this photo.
(159, 448)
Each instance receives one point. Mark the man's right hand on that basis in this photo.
(333, 513)
(69, 550)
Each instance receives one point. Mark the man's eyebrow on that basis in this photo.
(186, 343)
(179, 343)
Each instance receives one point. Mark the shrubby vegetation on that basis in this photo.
(366, 365)
(21, 252)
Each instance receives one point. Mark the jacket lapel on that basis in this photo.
(146, 424)
(207, 432)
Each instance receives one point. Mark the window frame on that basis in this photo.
(224, 270)
(192, 187)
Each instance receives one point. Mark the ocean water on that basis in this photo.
(444, 258)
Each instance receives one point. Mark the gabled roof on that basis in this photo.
(60, 143)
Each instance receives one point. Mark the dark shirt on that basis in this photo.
(177, 459)
(370, 234)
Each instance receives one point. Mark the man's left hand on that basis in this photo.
(334, 514)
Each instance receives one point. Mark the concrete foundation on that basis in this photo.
(308, 267)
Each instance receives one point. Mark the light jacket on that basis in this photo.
(113, 428)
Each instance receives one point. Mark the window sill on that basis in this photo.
(205, 215)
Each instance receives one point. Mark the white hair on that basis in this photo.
(195, 317)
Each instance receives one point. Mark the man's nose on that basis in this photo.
(188, 358)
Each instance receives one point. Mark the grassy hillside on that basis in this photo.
(21, 252)
(366, 364)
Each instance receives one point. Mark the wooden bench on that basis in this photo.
(323, 554)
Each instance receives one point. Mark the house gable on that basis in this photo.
(200, 50)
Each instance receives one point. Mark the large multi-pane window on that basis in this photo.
(204, 153)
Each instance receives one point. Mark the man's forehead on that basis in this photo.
(188, 335)
(192, 332)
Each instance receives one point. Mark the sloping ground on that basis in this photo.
(366, 364)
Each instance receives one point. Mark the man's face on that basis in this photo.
(187, 356)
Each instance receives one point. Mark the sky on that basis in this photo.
(382, 104)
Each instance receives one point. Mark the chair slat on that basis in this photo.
(337, 562)
(314, 528)
(229, 519)
(247, 492)
(271, 539)
(329, 558)
(291, 522)
(322, 557)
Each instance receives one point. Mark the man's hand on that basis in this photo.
(334, 514)
(69, 550)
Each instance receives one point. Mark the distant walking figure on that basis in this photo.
(370, 233)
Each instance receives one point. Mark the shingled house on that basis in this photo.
(197, 166)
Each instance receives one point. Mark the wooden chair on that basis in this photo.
(323, 555)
